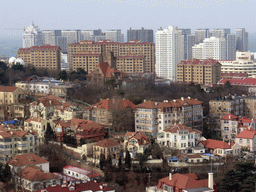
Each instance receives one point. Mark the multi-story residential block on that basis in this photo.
(32, 36)
(242, 64)
(189, 41)
(205, 72)
(11, 111)
(102, 112)
(19, 162)
(109, 50)
(153, 117)
(32, 178)
(89, 131)
(241, 40)
(50, 37)
(41, 57)
(11, 95)
(221, 148)
(136, 143)
(225, 105)
(201, 34)
(36, 124)
(169, 52)
(145, 35)
(66, 111)
(131, 64)
(250, 107)
(214, 48)
(179, 137)
(247, 139)
(73, 36)
(115, 35)
(107, 147)
(14, 142)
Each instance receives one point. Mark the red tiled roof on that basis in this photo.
(46, 101)
(7, 89)
(241, 82)
(193, 156)
(34, 119)
(26, 159)
(42, 47)
(110, 104)
(89, 125)
(34, 173)
(130, 134)
(107, 143)
(85, 186)
(141, 138)
(214, 144)
(183, 181)
(175, 128)
(234, 74)
(12, 133)
(247, 134)
(229, 117)
(199, 62)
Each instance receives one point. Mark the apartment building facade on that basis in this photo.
(145, 35)
(42, 57)
(204, 72)
(154, 117)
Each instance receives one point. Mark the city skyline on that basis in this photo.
(63, 14)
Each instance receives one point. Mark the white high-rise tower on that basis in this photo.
(32, 36)
(169, 51)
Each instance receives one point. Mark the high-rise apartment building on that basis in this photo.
(41, 57)
(73, 36)
(145, 35)
(204, 72)
(115, 35)
(32, 36)
(189, 41)
(241, 40)
(109, 52)
(169, 52)
(50, 36)
(211, 48)
(201, 34)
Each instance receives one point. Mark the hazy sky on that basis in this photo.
(123, 14)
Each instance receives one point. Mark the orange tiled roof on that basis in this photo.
(183, 181)
(130, 134)
(34, 173)
(107, 143)
(7, 89)
(26, 159)
(175, 128)
(141, 138)
(214, 144)
(247, 134)
(88, 125)
(12, 133)
(34, 119)
(109, 104)
(229, 117)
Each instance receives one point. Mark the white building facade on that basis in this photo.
(169, 52)
(32, 37)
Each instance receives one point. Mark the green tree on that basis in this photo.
(7, 175)
(128, 161)
(18, 67)
(82, 141)
(102, 161)
(63, 75)
(227, 85)
(49, 134)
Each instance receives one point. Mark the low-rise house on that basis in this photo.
(197, 150)
(107, 147)
(220, 147)
(32, 178)
(194, 158)
(137, 143)
(87, 186)
(184, 183)
(11, 95)
(89, 131)
(19, 162)
(79, 173)
(66, 111)
(36, 124)
(247, 139)
(102, 112)
(179, 137)
(15, 141)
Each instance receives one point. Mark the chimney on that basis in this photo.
(189, 97)
(174, 101)
(182, 98)
(210, 180)
(229, 116)
(170, 176)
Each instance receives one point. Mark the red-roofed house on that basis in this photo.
(137, 143)
(247, 139)
(179, 137)
(107, 147)
(32, 178)
(79, 173)
(184, 183)
(86, 186)
(152, 117)
(102, 112)
(103, 73)
(220, 147)
(66, 111)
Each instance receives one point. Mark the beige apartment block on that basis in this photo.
(131, 64)
(107, 147)
(41, 57)
(11, 95)
(111, 50)
(204, 72)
